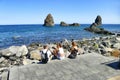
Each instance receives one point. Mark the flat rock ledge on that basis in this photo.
(90, 66)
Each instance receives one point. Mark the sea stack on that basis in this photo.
(95, 27)
(49, 21)
(97, 23)
(98, 20)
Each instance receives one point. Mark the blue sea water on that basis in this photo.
(26, 34)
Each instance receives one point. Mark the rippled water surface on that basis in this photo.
(26, 34)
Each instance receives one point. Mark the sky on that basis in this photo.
(70, 11)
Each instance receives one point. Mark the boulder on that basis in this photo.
(118, 38)
(108, 49)
(101, 46)
(116, 45)
(15, 51)
(2, 59)
(5, 63)
(103, 51)
(106, 43)
(35, 54)
(49, 21)
(63, 24)
(12, 58)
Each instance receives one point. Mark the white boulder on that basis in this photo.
(15, 50)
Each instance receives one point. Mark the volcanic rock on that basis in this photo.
(98, 20)
(95, 27)
(49, 21)
(74, 24)
(63, 24)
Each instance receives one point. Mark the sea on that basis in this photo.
(26, 34)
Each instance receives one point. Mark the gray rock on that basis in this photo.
(12, 58)
(108, 49)
(98, 20)
(2, 59)
(106, 43)
(74, 24)
(82, 51)
(101, 46)
(63, 24)
(107, 54)
(35, 54)
(117, 45)
(15, 50)
(28, 61)
(103, 52)
(118, 38)
(49, 21)
(95, 27)
(34, 44)
(85, 52)
(5, 63)
(4, 69)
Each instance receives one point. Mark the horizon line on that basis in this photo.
(55, 24)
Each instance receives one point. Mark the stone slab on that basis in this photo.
(90, 66)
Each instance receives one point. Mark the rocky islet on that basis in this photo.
(62, 23)
(49, 21)
(95, 27)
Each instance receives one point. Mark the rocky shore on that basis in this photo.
(23, 55)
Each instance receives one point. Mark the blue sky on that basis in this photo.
(81, 11)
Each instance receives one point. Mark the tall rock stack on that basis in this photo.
(49, 21)
(98, 20)
(94, 27)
